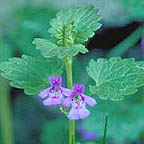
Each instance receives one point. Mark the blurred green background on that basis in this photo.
(23, 119)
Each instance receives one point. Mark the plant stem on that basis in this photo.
(68, 64)
(105, 128)
(5, 113)
(5, 109)
(71, 132)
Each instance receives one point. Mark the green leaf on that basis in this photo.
(69, 30)
(75, 24)
(50, 49)
(126, 121)
(115, 78)
(30, 73)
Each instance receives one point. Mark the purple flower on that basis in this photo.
(87, 135)
(139, 142)
(78, 102)
(54, 95)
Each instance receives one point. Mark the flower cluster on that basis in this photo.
(73, 99)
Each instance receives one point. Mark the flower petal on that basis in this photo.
(81, 88)
(59, 80)
(78, 112)
(67, 102)
(83, 113)
(78, 88)
(52, 101)
(55, 81)
(51, 79)
(48, 102)
(66, 92)
(53, 94)
(43, 94)
(90, 101)
(73, 114)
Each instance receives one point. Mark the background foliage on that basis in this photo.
(120, 35)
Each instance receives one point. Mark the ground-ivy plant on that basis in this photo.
(113, 78)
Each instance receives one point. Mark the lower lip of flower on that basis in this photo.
(55, 97)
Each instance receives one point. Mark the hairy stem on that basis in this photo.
(105, 128)
(68, 64)
(5, 113)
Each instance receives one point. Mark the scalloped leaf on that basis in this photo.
(30, 73)
(69, 30)
(115, 78)
(76, 24)
(50, 49)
